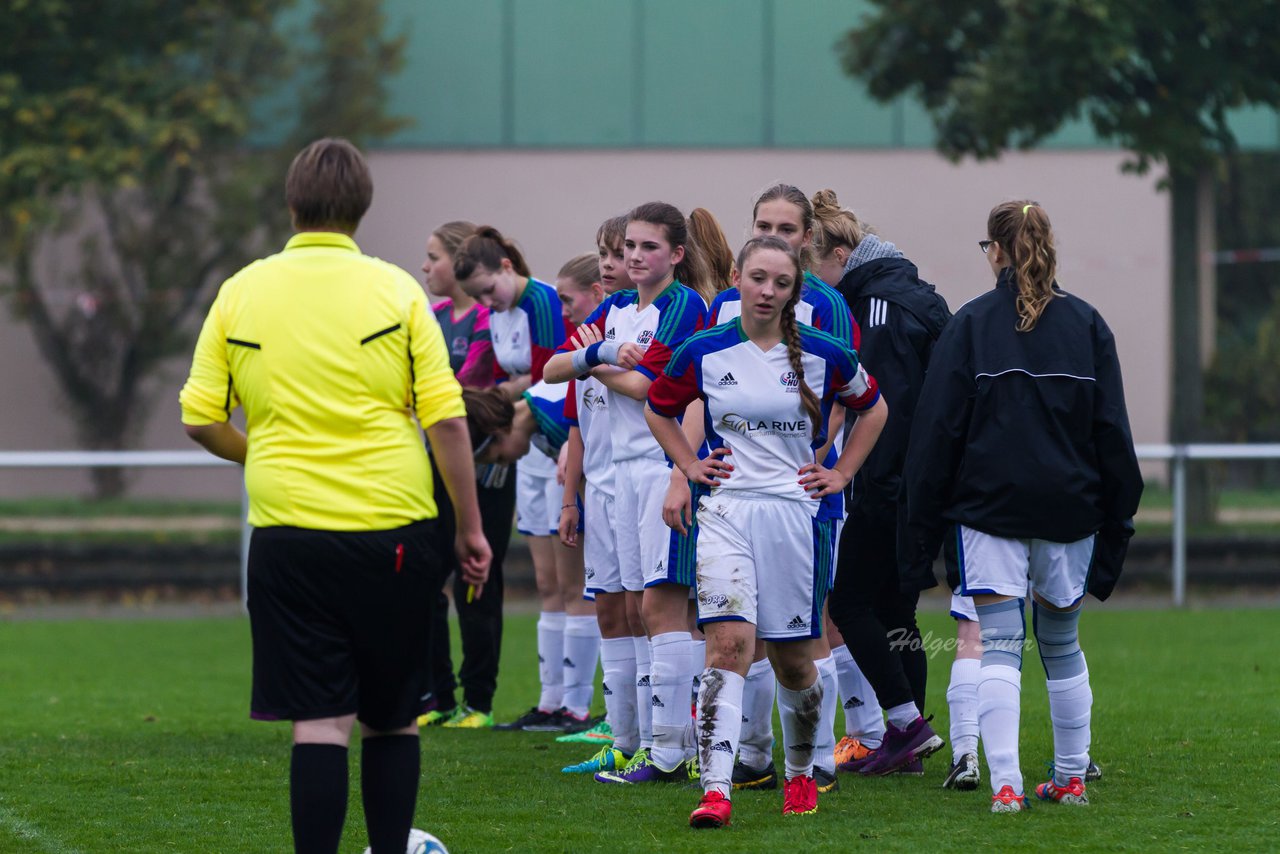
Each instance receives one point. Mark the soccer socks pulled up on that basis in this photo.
(618, 658)
(317, 796)
(962, 701)
(824, 755)
(551, 660)
(800, 712)
(581, 652)
(863, 717)
(718, 727)
(389, 770)
(644, 691)
(755, 746)
(668, 676)
(1070, 709)
(1000, 690)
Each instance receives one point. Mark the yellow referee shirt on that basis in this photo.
(330, 352)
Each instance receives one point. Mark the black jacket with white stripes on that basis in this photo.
(1022, 434)
(900, 317)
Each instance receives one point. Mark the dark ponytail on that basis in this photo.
(486, 248)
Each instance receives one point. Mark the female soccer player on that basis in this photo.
(784, 211)
(590, 459)
(625, 344)
(527, 326)
(900, 317)
(465, 326)
(758, 531)
(1022, 441)
(339, 493)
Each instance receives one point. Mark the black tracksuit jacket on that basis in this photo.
(900, 318)
(1023, 434)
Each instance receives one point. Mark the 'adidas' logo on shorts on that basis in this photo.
(568, 662)
(727, 379)
(604, 689)
(643, 681)
(853, 703)
(657, 704)
(723, 746)
(797, 622)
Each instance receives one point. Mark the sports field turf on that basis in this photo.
(134, 737)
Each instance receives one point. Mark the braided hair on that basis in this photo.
(787, 320)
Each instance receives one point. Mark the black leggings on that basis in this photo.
(480, 621)
(877, 619)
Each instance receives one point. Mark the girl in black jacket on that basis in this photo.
(1021, 441)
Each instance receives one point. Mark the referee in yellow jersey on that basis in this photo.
(332, 354)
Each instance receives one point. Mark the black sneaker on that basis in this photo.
(964, 774)
(826, 780)
(558, 721)
(746, 777)
(533, 717)
(572, 723)
(1093, 772)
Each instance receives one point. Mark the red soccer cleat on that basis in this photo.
(712, 811)
(800, 796)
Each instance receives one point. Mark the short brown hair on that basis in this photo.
(328, 186)
(489, 411)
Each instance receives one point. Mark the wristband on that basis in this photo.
(606, 352)
(580, 363)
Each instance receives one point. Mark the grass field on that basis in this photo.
(134, 737)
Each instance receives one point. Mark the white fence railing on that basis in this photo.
(1176, 455)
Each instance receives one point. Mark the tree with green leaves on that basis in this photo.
(1157, 77)
(128, 185)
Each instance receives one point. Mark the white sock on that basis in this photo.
(618, 658)
(755, 747)
(962, 700)
(800, 712)
(644, 692)
(863, 717)
(903, 716)
(698, 661)
(551, 659)
(1070, 709)
(824, 748)
(668, 676)
(999, 708)
(719, 725)
(581, 652)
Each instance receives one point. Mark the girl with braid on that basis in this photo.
(1021, 442)
(764, 558)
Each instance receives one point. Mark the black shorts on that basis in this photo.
(341, 623)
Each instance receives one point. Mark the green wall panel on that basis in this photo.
(452, 82)
(702, 72)
(815, 102)
(572, 73)
(1256, 128)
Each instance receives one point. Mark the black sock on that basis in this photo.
(389, 768)
(318, 797)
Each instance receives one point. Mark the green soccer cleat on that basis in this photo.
(601, 733)
(465, 717)
(606, 759)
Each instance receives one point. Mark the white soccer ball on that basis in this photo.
(420, 842)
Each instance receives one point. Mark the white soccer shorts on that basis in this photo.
(1002, 566)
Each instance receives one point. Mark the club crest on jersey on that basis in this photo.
(645, 337)
(459, 347)
(790, 382)
(593, 400)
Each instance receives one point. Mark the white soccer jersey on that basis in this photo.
(664, 324)
(753, 403)
(587, 406)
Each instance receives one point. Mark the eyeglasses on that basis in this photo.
(984, 245)
(488, 440)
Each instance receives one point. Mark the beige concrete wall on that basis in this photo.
(1112, 232)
